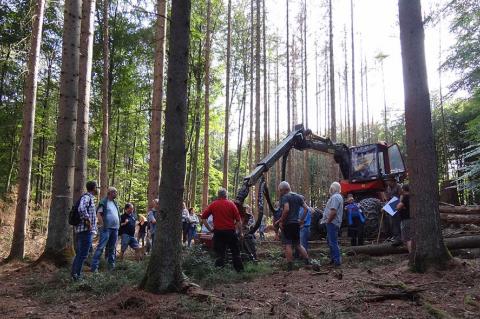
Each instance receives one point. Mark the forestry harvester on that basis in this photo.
(365, 170)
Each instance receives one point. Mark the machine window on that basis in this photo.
(364, 162)
(396, 160)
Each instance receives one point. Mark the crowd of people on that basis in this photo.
(231, 229)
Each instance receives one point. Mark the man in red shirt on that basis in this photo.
(226, 219)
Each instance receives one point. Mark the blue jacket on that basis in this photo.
(354, 211)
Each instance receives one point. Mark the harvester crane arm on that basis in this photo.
(300, 139)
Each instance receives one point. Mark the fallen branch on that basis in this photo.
(388, 249)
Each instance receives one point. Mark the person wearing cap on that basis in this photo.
(226, 218)
(109, 219)
(128, 222)
(84, 231)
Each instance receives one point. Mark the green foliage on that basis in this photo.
(61, 288)
(465, 54)
(199, 266)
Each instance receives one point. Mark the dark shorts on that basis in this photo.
(291, 234)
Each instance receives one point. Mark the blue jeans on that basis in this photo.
(304, 234)
(108, 238)
(192, 233)
(83, 243)
(332, 237)
(128, 240)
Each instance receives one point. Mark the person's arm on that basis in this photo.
(332, 215)
(305, 212)
(285, 210)
(400, 204)
(100, 215)
(151, 218)
(125, 221)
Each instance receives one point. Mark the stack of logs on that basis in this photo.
(460, 214)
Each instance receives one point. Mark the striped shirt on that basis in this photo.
(87, 211)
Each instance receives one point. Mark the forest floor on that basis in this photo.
(365, 287)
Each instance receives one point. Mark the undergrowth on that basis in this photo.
(199, 266)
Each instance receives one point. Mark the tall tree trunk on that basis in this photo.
(40, 178)
(85, 69)
(287, 40)
(241, 125)
(257, 83)
(58, 243)
(198, 96)
(333, 127)
(227, 97)
(206, 154)
(164, 272)
(369, 140)
(354, 118)
(252, 58)
(362, 96)
(305, 69)
(428, 246)
(17, 250)
(347, 102)
(156, 125)
(265, 92)
(115, 148)
(277, 111)
(105, 102)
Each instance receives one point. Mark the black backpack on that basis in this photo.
(74, 218)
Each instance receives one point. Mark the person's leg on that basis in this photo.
(111, 248)
(83, 243)
(396, 232)
(190, 236)
(289, 253)
(360, 235)
(304, 234)
(235, 250)
(102, 242)
(332, 233)
(220, 247)
(124, 241)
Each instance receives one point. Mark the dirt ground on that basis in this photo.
(365, 287)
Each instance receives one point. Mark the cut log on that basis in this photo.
(467, 210)
(460, 219)
(388, 249)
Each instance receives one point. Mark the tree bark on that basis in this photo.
(206, 154)
(333, 127)
(17, 250)
(428, 245)
(257, 83)
(83, 112)
(287, 40)
(354, 117)
(58, 244)
(468, 210)
(164, 272)
(227, 97)
(105, 100)
(156, 125)
(460, 219)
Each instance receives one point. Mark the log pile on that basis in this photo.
(460, 214)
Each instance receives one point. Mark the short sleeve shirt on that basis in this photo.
(294, 201)
(129, 228)
(151, 217)
(224, 213)
(335, 202)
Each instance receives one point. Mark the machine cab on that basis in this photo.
(375, 162)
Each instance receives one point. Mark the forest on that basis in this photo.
(174, 100)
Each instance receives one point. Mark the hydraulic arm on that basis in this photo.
(300, 139)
